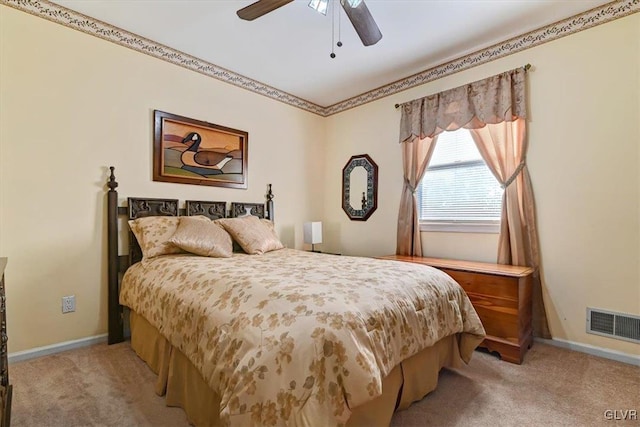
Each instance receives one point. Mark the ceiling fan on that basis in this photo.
(356, 10)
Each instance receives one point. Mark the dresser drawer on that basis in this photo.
(486, 284)
(499, 324)
(503, 306)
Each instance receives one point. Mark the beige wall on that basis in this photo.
(584, 159)
(71, 105)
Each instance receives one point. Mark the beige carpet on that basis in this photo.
(109, 386)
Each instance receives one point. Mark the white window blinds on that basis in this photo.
(458, 187)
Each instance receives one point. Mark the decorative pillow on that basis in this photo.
(153, 234)
(202, 237)
(269, 224)
(252, 234)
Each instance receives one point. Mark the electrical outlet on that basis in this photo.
(69, 304)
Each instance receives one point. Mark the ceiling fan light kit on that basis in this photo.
(319, 6)
(322, 6)
(356, 10)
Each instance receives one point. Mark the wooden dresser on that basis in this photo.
(5, 387)
(501, 295)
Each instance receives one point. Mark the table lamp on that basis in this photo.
(313, 234)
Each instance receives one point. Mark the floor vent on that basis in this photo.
(614, 325)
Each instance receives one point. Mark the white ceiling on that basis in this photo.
(289, 48)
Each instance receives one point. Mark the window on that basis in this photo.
(458, 192)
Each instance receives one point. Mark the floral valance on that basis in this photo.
(496, 99)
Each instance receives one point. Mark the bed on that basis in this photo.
(283, 337)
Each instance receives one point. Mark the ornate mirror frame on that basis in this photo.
(370, 197)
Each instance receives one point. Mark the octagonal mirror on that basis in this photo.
(360, 187)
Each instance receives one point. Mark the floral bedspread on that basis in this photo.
(292, 337)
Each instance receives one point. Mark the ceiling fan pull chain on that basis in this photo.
(333, 23)
(339, 44)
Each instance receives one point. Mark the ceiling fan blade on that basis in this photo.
(363, 22)
(259, 8)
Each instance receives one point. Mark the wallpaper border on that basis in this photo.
(71, 19)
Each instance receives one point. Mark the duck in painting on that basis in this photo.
(202, 162)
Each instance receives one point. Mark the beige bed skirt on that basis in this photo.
(184, 387)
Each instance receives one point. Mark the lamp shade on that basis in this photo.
(312, 232)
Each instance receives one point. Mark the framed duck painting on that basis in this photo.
(189, 151)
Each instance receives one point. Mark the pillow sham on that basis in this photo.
(201, 236)
(253, 235)
(153, 234)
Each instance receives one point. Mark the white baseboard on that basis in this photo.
(19, 356)
(593, 350)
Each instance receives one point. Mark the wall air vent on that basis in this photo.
(614, 325)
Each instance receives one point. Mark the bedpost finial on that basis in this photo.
(269, 193)
(112, 184)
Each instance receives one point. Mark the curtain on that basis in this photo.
(415, 159)
(503, 147)
(494, 110)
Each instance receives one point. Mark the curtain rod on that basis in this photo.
(526, 68)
